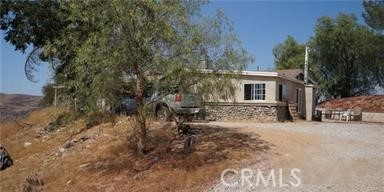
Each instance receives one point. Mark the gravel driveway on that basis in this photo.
(329, 157)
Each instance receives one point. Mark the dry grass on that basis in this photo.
(107, 163)
(372, 103)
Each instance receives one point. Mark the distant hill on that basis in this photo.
(373, 103)
(16, 105)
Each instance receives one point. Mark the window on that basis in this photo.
(280, 92)
(254, 91)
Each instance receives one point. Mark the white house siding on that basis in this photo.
(270, 109)
(270, 89)
(290, 93)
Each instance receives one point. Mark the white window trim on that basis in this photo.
(254, 93)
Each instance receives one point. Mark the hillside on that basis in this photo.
(17, 105)
(374, 103)
(101, 158)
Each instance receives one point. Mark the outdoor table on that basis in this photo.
(337, 112)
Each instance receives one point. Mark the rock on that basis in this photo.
(68, 144)
(33, 183)
(242, 112)
(62, 150)
(84, 165)
(26, 144)
(42, 131)
(84, 138)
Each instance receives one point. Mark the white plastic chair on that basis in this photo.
(346, 114)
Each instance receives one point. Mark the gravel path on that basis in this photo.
(330, 156)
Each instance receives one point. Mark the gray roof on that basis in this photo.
(297, 74)
(292, 73)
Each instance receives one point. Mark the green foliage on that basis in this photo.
(31, 23)
(96, 118)
(48, 95)
(345, 57)
(289, 54)
(62, 120)
(374, 14)
(107, 49)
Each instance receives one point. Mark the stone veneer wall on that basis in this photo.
(247, 112)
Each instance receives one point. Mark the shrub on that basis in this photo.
(96, 118)
(62, 120)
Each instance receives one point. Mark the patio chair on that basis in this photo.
(327, 114)
(346, 114)
(357, 114)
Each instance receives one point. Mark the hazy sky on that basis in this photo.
(260, 24)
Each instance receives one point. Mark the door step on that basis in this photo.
(292, 111)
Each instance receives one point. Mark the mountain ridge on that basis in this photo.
(17, 105)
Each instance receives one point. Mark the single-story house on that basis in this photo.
(268, 96)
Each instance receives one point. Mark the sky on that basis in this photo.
(260, 25)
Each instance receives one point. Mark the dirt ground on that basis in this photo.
(330, 156)
(101, 158)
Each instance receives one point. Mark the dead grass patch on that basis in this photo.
(107, 163)
(168, 167)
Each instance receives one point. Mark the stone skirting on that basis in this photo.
(247, 112)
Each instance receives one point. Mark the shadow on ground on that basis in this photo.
(214, 144)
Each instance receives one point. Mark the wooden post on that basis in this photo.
(55, 102)
(56, 87)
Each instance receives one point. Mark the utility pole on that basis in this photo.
(56, 87)
(309, 90)
(306, 65)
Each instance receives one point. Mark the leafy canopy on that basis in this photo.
(105, 50)
(345, 59)
(374, 14)
(31, 23)
(289, 54)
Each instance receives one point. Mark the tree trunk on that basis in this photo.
(141, 131)
(140, 128)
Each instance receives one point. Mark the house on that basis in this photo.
(268, 96)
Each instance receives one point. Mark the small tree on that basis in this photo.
(107, 49)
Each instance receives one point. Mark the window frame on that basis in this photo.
(257, 91)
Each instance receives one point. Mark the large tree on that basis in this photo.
(106, 49)
(289, 54)
(345, 57)
(31, 24)
(374, 14)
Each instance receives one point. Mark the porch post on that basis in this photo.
(309, 104)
